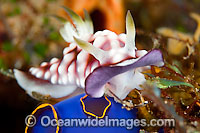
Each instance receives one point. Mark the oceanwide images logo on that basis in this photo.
(30, 120)
(46, 121)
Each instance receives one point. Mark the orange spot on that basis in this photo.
(157, 69)
(198, 104)
(92, 114)
(54, 113)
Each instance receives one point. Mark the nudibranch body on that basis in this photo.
(90, 62)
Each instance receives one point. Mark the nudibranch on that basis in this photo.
(91, 62)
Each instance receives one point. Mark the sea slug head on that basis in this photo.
(109, 48)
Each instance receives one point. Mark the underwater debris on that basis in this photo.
(179, 41)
